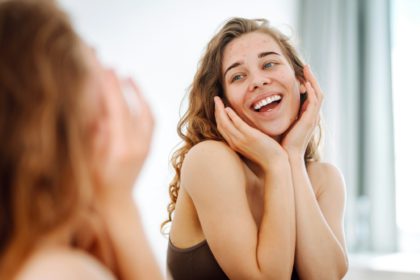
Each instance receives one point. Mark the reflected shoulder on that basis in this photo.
(63, 263)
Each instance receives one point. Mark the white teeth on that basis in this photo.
(267, 101)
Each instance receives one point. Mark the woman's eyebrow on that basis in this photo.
(236, 64)
(261, 55)
(267, 53)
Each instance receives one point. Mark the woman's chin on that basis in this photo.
(276, 129)
(274, 133)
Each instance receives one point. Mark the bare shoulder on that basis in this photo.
(63, 263)
(211, 150)
(326, 178)
(212, 161)
(211, 154)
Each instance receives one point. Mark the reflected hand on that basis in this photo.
(123, 137)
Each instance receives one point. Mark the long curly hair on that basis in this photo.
(198, 123)
(44, 174)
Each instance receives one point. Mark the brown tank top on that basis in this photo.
(196, 262)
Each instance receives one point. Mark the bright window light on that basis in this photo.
(406, 90)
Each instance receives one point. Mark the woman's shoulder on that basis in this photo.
(323, 168)
(210, 146)
(63, 263)
(212, 160)
(325, 177)
(210, 152)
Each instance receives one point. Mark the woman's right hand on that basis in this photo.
(248, 141)
(123, 135)
(122, 145)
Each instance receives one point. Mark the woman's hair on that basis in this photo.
(198, 123)
(44, 178)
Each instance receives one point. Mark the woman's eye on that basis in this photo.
(269, 65)
(237, 77)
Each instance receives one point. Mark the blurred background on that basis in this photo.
(366, 57)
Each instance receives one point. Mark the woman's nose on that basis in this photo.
(258, 81)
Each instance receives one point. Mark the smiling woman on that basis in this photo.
(252, 199)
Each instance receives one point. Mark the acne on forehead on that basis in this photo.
(254, 42)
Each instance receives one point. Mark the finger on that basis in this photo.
(220, 114)
(317, 103)
(141, 108)
(225, 125)
(310, 105)
(131, 95)
(218, 106)
(312, 96)
(238, 122)
(114, 96)
(223, 121)
(101, 139)
(118, 113)
(309, 76)
(139, 130)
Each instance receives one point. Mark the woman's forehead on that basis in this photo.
(250, 44)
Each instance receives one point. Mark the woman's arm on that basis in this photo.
(320, 248)
(213, 175)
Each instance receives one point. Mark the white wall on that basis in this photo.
(159, 43)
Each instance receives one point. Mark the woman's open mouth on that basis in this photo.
(267, 104)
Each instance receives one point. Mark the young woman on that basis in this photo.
(251, 198)
(71, 149)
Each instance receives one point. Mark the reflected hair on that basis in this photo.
(44, 178)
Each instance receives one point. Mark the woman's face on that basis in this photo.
(260, 84)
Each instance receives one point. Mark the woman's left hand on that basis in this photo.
(296, 139)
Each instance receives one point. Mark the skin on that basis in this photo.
(243, 68)
(272, 211)
(121, 140)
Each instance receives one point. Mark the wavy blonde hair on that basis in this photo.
(198, 123)
(45, 184)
